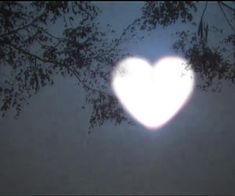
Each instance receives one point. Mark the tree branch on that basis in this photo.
(73, 70)
(125, 31)
(204, 10)
(20, 28)
(227, 6)
(227, 20)
(49, 34)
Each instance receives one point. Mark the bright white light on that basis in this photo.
(153, 94)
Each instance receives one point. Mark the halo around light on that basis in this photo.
(153, 95)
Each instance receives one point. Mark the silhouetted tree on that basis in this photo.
(212, 60)
(41, 39)
(31, 53)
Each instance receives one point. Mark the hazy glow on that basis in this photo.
(153, 94)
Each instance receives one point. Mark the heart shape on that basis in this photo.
(153, 95)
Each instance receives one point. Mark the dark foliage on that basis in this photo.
(31, 53)
(213, 63)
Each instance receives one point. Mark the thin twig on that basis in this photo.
(227, 20)
(124, 32)
(227, 6)
(74, 71)
(46, 32)
(204, 11)
(20, 28)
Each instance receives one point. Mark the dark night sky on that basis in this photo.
(48, 150)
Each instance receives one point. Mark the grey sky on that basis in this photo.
(48, 150)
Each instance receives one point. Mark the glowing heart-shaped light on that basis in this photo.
(153, 94)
